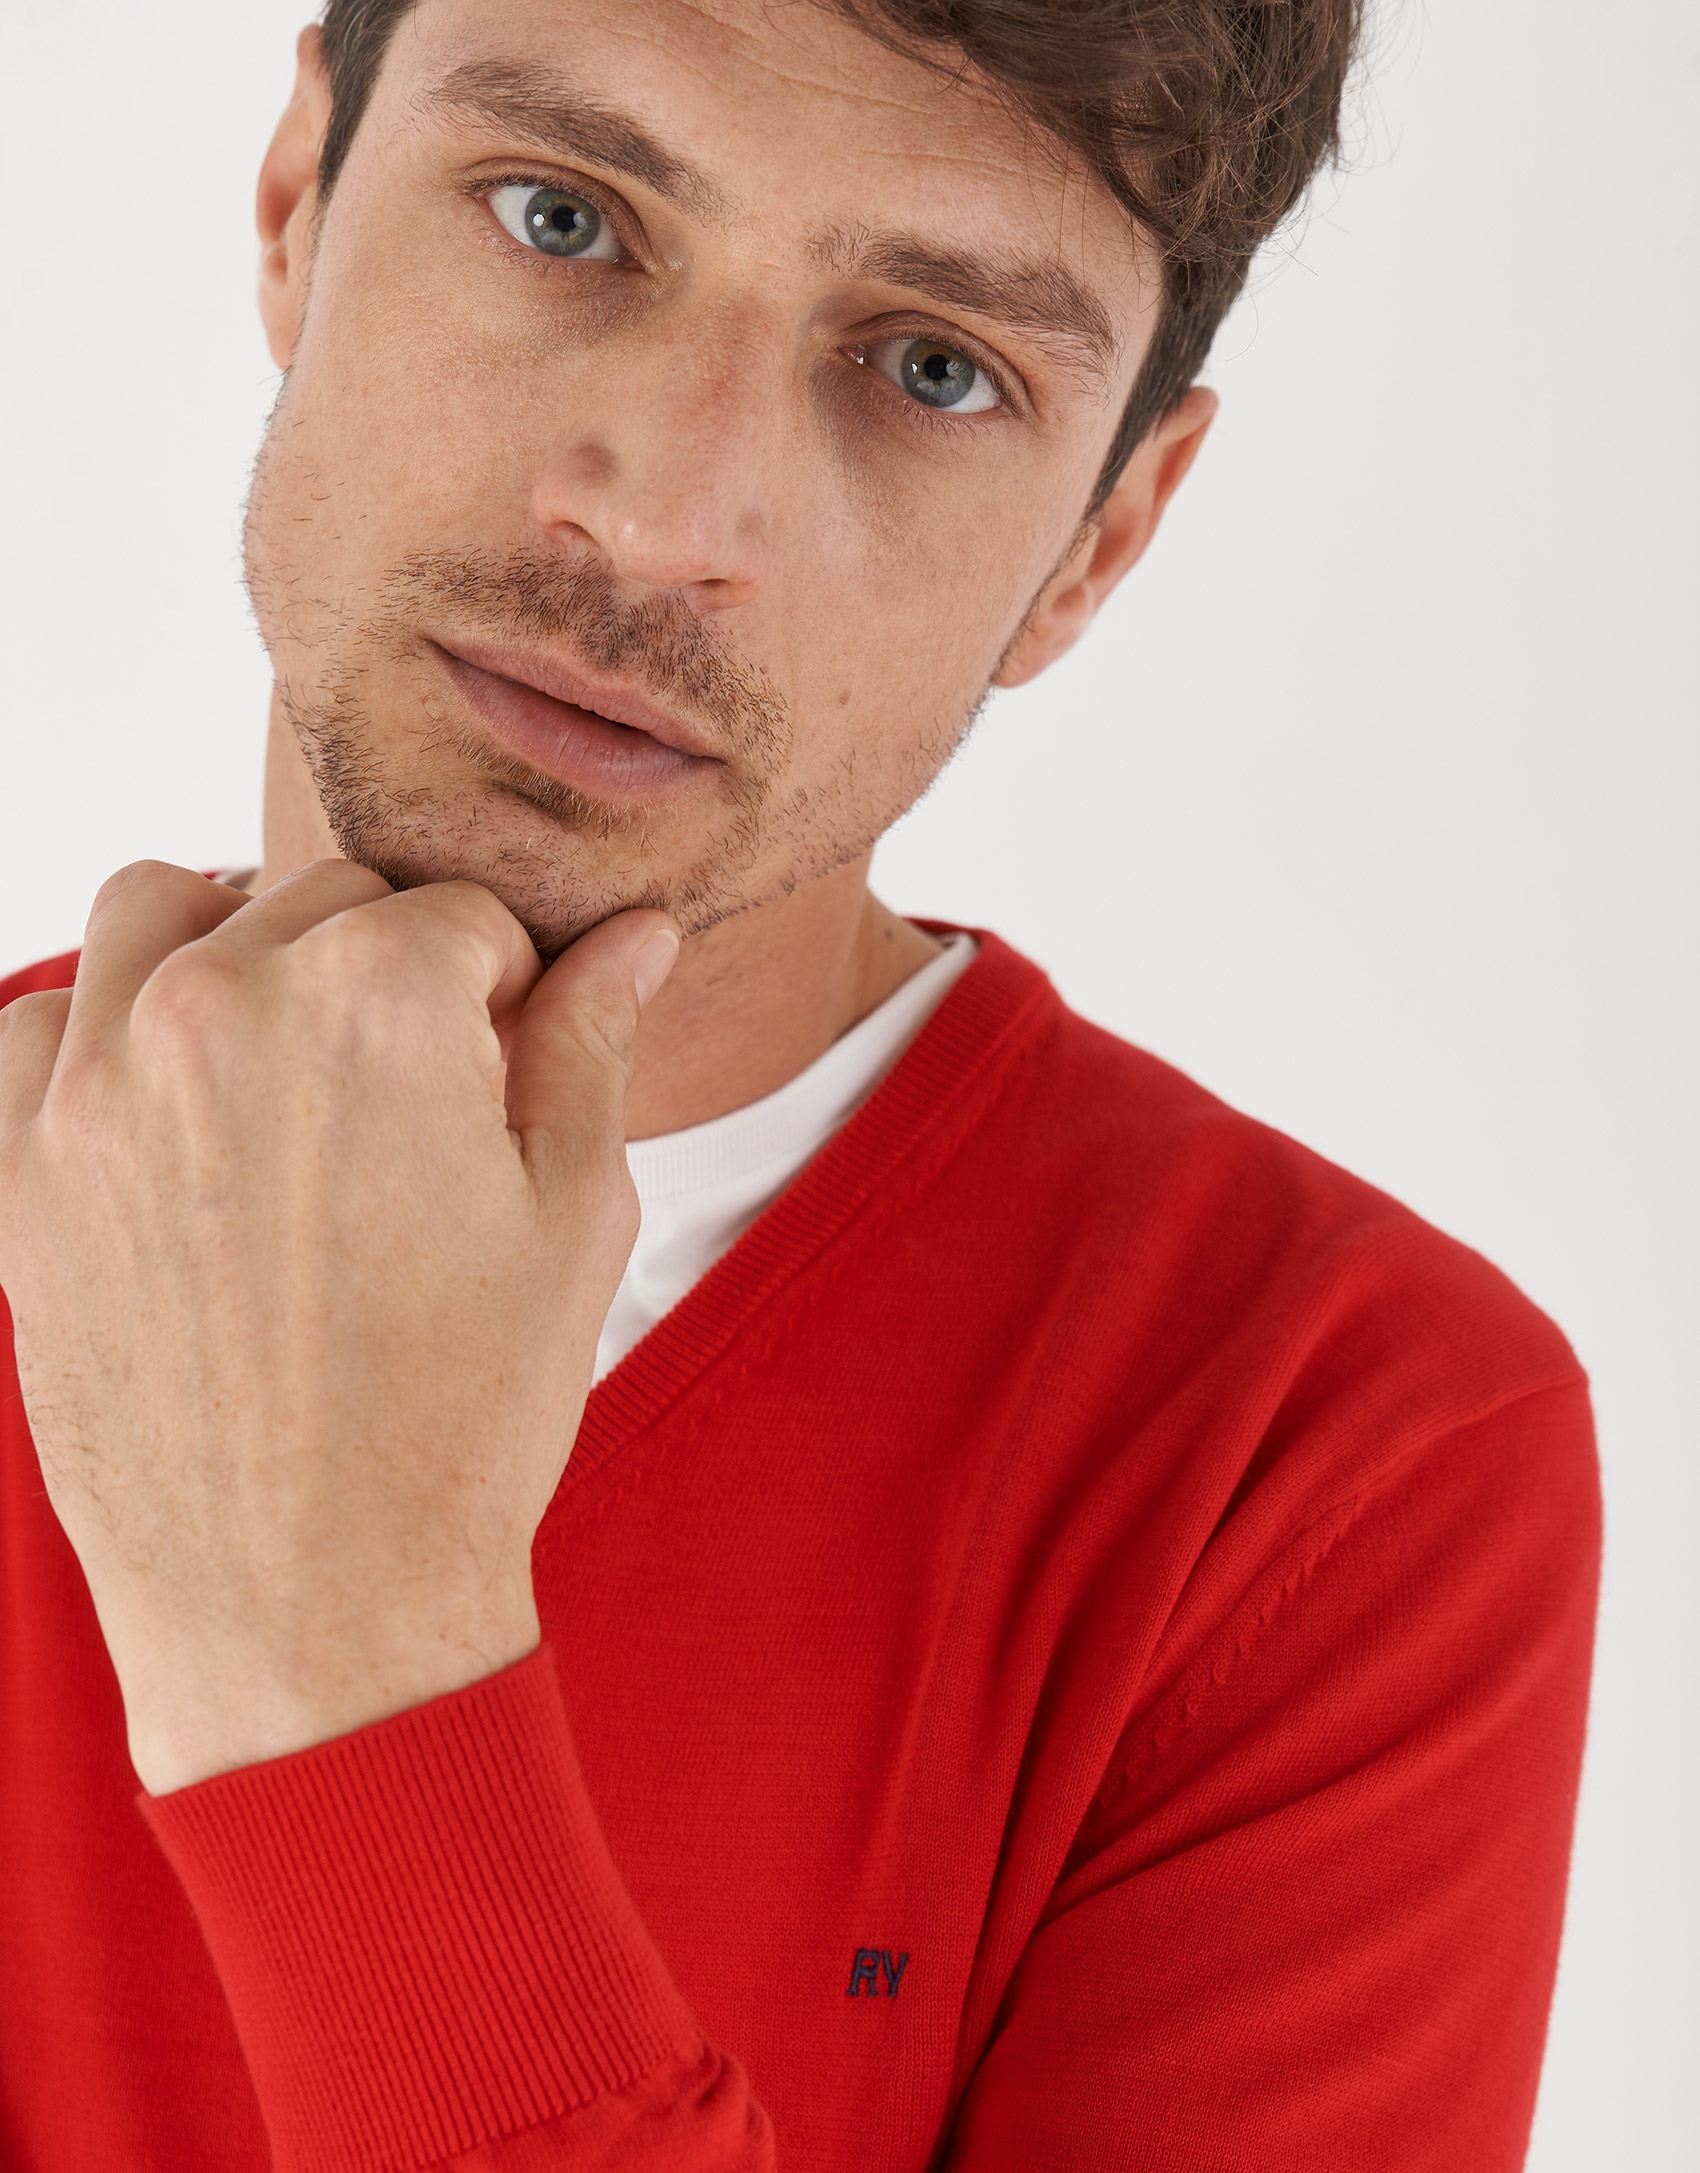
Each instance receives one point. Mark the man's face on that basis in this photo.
(690, 401)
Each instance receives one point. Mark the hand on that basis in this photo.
(311, 1210)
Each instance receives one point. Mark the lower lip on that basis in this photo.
(574, 746)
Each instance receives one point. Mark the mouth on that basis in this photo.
(602, 737)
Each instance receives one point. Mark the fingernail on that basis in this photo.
(653, 963)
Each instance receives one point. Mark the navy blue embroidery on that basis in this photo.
(866, 1968)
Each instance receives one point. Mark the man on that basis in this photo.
(1063, 1636)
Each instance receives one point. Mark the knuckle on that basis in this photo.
(593, 1175)
(353, 986)
(624, 1213)
(354, 971)
(346, 947)
(479, 921)
(182, 1001)
(473, 902)
(83, 1083)
(478, 914)
(604, 1030)
(144, 878)
(617, 1217)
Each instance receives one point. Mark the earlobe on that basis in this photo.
(1114, 543)
(286, 202)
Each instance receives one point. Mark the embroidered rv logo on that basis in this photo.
(870, 1965)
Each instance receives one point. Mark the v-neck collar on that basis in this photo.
(924, 1104)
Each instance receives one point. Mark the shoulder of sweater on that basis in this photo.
(1240, 1236)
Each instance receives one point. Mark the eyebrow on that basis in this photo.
(1029, 294)
(542, 111)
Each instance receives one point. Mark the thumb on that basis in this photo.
(570, 1059)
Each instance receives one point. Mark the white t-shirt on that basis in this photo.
(701, 1189)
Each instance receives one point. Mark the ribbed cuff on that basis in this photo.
(423, 1939)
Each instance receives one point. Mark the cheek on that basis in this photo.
(399, 419)
(941, 545)
(911, 601)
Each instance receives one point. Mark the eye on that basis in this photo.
(555, 223)
(936, 375)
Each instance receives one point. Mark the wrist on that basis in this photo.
(188, 1722)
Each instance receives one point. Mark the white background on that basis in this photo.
(1372, 803)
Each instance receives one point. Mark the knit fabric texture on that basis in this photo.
(1068, 1648)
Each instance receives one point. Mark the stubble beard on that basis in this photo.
(439, 802)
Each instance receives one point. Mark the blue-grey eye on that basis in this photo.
(555, 222)
(937, 375)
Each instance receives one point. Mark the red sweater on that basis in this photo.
(1067, 1649)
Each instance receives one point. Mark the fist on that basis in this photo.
(311, 1209)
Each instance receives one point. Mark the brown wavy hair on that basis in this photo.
(1205, 118)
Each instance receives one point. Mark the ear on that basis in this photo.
(1110, 546)
(288, 199)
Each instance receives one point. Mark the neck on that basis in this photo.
(751, 1002)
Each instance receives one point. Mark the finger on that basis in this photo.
(301, 901)
(139, 917)
(31, 1030)
(570, 1062)
(455, 930)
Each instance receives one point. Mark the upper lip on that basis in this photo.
(617, 700)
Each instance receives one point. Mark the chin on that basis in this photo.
(553, 894)
(557, 881)
(558, 859)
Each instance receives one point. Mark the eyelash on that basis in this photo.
(919, 416)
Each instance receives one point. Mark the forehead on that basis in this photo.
(790, 121)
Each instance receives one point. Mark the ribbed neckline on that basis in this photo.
(924, 1100)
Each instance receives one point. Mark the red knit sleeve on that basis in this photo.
(1313, 1918)
(432, 1961)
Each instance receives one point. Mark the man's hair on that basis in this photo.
(1205, 118)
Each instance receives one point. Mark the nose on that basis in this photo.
(664, 467)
